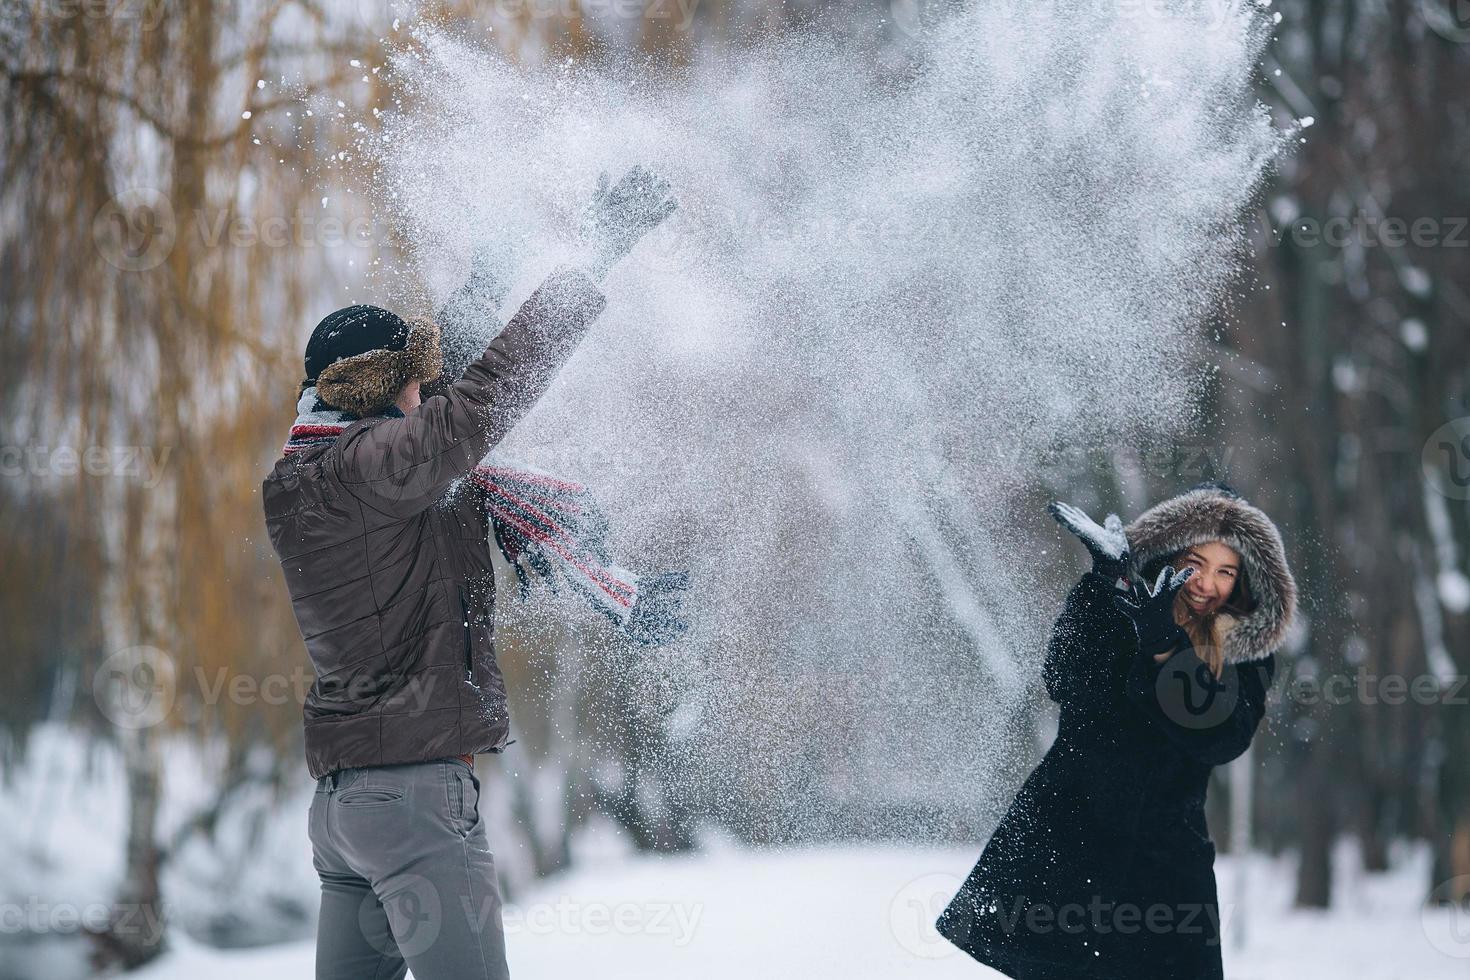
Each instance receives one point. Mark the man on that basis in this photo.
(382, 509)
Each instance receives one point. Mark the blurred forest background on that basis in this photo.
(133, 335)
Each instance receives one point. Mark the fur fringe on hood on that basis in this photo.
(368, 383)
(1214, 513)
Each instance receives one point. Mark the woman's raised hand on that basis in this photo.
(1106, 542)
(1152, 610)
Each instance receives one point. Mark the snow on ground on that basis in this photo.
(850, 911)
(866, 912)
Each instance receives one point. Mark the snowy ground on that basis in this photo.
(835, 912)
(865, 912)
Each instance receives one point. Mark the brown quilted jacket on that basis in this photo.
(386, 554)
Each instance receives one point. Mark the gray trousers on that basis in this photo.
(408, 881)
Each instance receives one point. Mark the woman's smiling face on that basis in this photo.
(1216, 572)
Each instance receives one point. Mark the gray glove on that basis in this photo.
(622, 213)
(469, 318)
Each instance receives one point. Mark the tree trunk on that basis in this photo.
(135, 929)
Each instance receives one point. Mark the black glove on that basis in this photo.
(621, 214)
(655, 616)
(1152, 612)
(1107, 543)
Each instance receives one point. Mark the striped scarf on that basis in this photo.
(542, 524)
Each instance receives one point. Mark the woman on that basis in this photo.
(1103, 867)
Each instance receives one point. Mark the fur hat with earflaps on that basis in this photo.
(360, 358)
(1215, 512)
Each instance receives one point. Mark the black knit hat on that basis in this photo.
(360, 357)
(351, 331)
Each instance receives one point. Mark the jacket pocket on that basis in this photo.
(469, 656)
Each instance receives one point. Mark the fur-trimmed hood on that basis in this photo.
(1211, 513)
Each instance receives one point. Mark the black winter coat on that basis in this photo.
(1103, 866)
